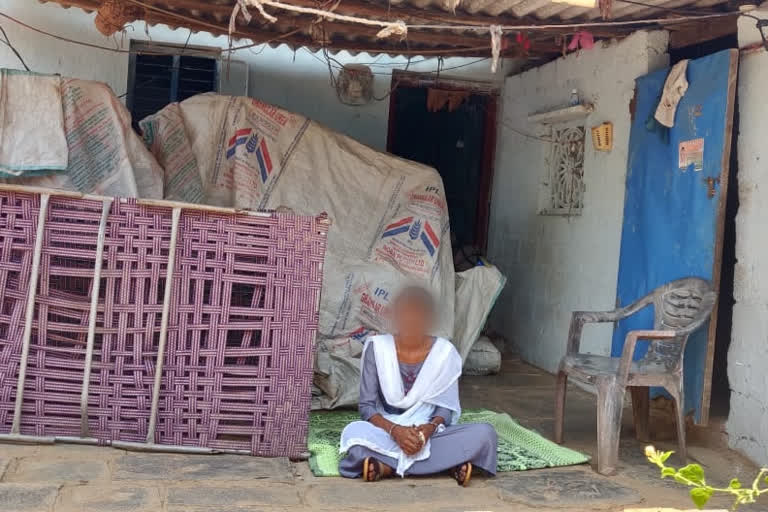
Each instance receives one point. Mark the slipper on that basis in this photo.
(373, 467)
(467, 474)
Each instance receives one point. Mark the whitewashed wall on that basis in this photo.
(747, 425)
(556, 265)
(295, 81)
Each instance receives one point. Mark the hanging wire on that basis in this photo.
(186, 43)
(6, 41)
(394, 86)
(761, 24)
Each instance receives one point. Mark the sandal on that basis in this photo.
(467, 468)
(373, 470)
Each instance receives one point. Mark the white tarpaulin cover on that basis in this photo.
(89, 133)
(390, 219)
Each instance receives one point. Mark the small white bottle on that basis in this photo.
(574, 98)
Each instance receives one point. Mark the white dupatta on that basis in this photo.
(436, 386)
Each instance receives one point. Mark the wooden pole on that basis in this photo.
(106, 206)
(164, 324)
(31, 293)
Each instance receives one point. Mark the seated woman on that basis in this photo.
(409, 403)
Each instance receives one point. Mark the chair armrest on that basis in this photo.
(629, 347)
(579, 318)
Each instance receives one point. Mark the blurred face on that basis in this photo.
(412, 317)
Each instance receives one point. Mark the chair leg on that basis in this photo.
(682, 451)
(641, 404)
(610, 401)
(560, 390)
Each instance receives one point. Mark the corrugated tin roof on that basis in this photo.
(306, 30)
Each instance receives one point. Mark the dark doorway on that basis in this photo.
(457, 139)
(721, 393)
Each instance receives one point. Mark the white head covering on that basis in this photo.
(436, 386)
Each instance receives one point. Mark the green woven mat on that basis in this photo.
(520, 449)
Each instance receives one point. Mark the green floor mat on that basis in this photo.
(520, 449)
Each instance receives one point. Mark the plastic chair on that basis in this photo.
(680, 307)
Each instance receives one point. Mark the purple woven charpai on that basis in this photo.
(238, 366)
(57, 349)
(18, 224)
(133, 279)
(243, 314)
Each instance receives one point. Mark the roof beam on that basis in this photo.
(687, 34)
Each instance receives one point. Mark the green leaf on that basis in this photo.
(735, 484)
(668, 472)
(701, 495)
(664, 456)
(693, 472)
(680, 479)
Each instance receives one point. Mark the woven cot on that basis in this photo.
(232, 337)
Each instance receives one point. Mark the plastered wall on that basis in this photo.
(556, 265)
(747, 425)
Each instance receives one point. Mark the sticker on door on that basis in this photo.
(691, 155)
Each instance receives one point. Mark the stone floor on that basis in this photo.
(69, 478)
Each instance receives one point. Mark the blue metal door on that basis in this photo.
(675, 204)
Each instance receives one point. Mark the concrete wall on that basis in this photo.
(747, 425)
(297, 81)
(559, 264)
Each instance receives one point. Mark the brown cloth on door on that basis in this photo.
(439, 98)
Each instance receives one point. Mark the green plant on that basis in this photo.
(692, 475)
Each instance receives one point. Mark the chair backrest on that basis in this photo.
(683, 306)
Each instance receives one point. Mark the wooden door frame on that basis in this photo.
(717, 267)
(490, 126)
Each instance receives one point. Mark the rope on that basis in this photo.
(389, 28)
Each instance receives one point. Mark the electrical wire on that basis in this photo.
(120, 50)
(558, 26)
(511, 128)
(186, 43)
(676, 10)
(6, 41)
(394, 86)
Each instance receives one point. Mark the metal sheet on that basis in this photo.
(672, 217)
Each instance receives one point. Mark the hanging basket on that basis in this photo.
(602, 137)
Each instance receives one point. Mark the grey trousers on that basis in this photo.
(457, 444)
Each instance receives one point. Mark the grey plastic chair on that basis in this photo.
(680, 307)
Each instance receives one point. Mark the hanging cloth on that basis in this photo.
(674, 89)
(439, 98)
(582, 39)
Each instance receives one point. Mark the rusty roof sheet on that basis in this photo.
(301, 30)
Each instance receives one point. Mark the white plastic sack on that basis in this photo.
(483, 359)
(31, 124)
(476, 292)
(103, 155)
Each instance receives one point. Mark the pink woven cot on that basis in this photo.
(236, 328)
